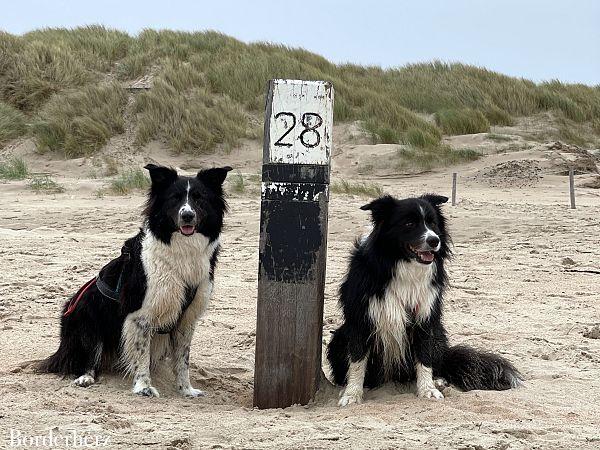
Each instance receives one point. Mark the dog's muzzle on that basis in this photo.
(425, 251)
(187, 221)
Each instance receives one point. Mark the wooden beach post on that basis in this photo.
(293, 241)
(572, 187)
(454, 176)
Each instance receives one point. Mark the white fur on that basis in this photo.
(186, 207)
(89, 378)
(426, 387)
(429, 233)
(363, 239)
(85, 380)
(440, 383)
(169, 269)
(353, 392)
(410, 290)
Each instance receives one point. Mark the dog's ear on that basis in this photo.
(215, 177)
(434, 199)
(380, 208)
(161, 175)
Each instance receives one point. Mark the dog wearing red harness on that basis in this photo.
(143, 305)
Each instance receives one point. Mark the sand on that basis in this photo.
(524, 279)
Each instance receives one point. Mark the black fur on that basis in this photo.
(97, 321)
(398, 225)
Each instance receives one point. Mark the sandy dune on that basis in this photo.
(523, 284)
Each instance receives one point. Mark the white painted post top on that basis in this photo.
(300, 118)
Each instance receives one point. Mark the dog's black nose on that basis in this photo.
(188, 216)
(432, 241)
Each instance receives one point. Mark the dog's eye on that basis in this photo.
(196, 195)
(408, 224)
(177, 196)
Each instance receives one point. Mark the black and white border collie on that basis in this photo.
(392, 305)
(161, 284)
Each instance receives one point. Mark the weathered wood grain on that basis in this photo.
(293, 242)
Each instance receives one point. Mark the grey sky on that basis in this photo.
(535, 39)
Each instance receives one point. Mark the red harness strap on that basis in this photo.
(77, 297)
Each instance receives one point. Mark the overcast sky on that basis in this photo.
(535, 39)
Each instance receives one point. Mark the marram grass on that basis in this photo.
(209, 91)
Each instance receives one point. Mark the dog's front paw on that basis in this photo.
(191, 392)
(84, 380)
(146, 391)
(350, 397)
(441, 384)
(430, 393)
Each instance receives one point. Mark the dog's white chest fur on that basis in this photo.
(409, 294)
(170, 269)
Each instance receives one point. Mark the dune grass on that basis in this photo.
(33, 69)
(499, 137)
(43, 184)
(77, 123)
(572, 134)
(352, 188)
(497, 116)
(208, 86)
(13, 169)
(461, 121)
(13, 123)
(237, 183)
(419, 138)
(243, 184)
(415, 159)
(128, 181)
(16, 169)
(182, 112)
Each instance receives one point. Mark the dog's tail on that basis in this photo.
(468, 369)
(68, 359)
(71, 357)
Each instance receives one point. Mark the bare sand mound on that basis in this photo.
(592, 183)
(520, 173)
(565, 156)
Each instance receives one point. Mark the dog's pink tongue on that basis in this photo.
(426, 256)
(187, 230)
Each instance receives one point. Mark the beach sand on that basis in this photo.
(524, 283)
